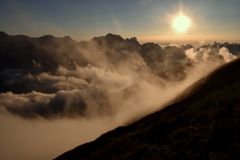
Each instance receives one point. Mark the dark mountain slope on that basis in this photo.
(203, 126)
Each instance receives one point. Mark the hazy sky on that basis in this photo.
(148, 20)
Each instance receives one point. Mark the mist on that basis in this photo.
(57, 93)
(38, 140)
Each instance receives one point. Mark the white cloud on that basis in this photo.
(226, 54)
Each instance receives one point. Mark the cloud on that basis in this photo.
(49, 81)
(203, 54)
(226, 55)
(82, 92)
(94, 78)
(41, 139)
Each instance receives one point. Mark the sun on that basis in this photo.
(181, 23)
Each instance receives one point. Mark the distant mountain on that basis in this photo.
(22, 55)
(19, 52)
(204, 125)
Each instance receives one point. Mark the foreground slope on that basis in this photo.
(203, 126)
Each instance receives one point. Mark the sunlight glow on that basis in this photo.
(181, 23)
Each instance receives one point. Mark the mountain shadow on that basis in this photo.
(204, 125)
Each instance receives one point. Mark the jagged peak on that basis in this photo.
(109, 38)
(115, 36)
(47, 36)
(67, 37)
(3, 34)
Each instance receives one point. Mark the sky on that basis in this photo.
(148, 20)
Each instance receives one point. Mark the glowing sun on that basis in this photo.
(181, 23)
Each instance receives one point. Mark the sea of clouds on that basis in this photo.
(56, 93)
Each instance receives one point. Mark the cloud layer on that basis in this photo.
(106, 82)
(52, 77)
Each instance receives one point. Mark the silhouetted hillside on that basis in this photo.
(205, 125)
